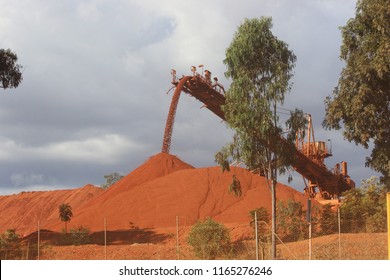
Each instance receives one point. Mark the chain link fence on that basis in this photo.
(343, 243)
(340, 241)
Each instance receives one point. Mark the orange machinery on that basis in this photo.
(322, 182)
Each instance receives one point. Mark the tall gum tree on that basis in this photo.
(361, 100)
(10, 71)
(260, 67)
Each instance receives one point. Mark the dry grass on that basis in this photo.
(352, 246)
(361, 246)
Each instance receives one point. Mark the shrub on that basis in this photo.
(291, 220)
(263, 231)
(111, 179)
(209, 239)
(9, 245)
(364, 209)
(79, 236)
(262, 215)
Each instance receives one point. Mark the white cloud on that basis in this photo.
(107, 148)
(134, 64)
(33, 188)
(20, 179)
(89, 11)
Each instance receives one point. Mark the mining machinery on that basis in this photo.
(320, 182)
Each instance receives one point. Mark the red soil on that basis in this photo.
(23, 211)
(149, 197)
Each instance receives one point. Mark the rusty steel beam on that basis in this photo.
(329, 184)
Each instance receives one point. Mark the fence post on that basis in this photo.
(177, 237)
(310, 242)
(28, 249)
(339, 225)
(388, 224)
(105, 238)
(257, 237)
(309, 221)
(38, 240)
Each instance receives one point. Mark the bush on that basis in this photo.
(263, 231)
(76, 236)
(364, 209)
(9, 245)
(111, 179)
(209, 239)
(79, 236)
(291, 221)
(262, 215)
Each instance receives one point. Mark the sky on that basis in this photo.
(96, 83)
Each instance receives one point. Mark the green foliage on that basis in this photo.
(263, 218)
(260, 66)
(9, 245)
(10, 72)
(351, 211)
(76, 236)
(263, 231)
(220, 158)
(291, 220)
(235, 187)
(262, 215)
(209, 239)
(364, 209)
(79, 236)
(361, 100)
(111, 179)
(65, 213)
(328, 220)
(9, 236)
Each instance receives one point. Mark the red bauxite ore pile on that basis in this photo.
(23, 211)
(151, 196)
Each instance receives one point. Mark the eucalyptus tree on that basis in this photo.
(10, 71)
(111, 179)
(260, 67)
(361, 100)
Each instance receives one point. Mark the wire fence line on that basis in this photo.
(343, 244)
(341, 241)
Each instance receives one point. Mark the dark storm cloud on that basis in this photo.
(96, 73)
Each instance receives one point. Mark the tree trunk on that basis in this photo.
(274, 175)
(273, 213)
